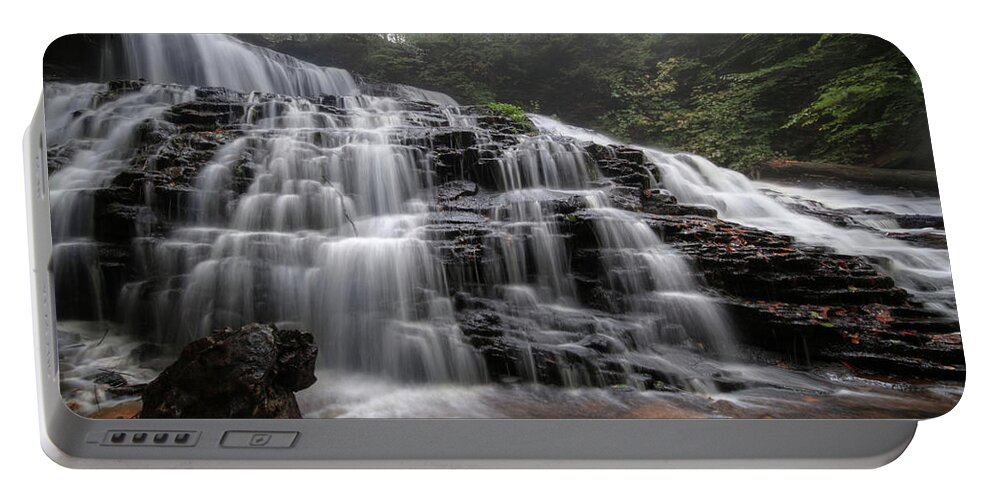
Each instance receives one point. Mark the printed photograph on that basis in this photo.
(607, 226)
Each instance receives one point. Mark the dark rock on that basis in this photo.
(125, 85)
(117, 385)
(600, 152)
(133, 180)
(486, 172)
(482, 203)
(459, 238)
(127, 390)
(206, 115)
(454, 189)
(632, 155)
(604, 344)
(146, 352)
(296, 354)
(218, 94)
(682, 210)
(251, 372)
(622, 165)
(662, 202)
(118, 223)
(809, 303)
(907, 366)
(625, 172)
(60, 155)
(565, 206)
(917, 221)
(117, 88)
(111, 378)
(626, 198)
(481, 324)
(175, 202)
(590, 288)
(453, 138)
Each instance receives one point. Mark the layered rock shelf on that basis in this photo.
(810, 304)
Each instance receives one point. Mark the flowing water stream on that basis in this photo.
(925, 272)
(332, 234)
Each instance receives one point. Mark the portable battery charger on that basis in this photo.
(486, 251)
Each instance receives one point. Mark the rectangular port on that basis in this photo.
(150, 438)
(258, 439)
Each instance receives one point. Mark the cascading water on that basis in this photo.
(925, 272)
(100, 137)
(658, 283)
(319, 209)
(529, 245)
(325, 236)
(224, 61)
(663, 305)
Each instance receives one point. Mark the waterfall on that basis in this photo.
(326, 236)
(329, 236)
(658, 282)
(315, 214)
(213, 60)
(664, 305)
(224, 61)
(925, 272)
(416, 94)
(446, 265)
(528, 243)
(96, 133)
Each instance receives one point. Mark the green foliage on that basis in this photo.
(515, 113)
(738, 99)
(841, 98)
(863, 106)
(708, 118)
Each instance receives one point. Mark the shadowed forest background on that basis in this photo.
(738, 99)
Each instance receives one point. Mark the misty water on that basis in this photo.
(334, 235)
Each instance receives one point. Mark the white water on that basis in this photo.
(209, 60)
(529, 244)
(326, 236)
(662, 306)
(417, 94)
(842, 199)
(101, 136)
(658, 282)
(330, 236)
(925, 272)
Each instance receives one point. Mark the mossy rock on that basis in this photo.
(515, 114)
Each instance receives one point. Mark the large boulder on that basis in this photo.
(251, 372)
